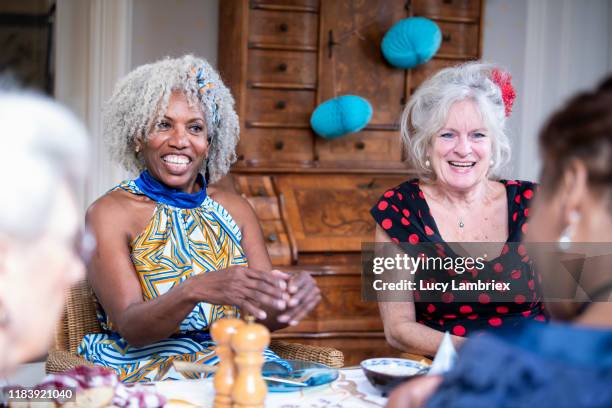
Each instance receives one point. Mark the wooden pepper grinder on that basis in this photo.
(222, 331)
(249, 343)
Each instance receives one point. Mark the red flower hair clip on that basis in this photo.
(504, 81)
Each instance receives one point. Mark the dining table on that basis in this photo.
(350, 390)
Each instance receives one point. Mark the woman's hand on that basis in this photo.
(304, 295)
(252, 290)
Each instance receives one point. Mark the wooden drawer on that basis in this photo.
(279, 108)
(424, 71)
(260, 192)
(364, 145)
(282, 29)
(453, 9)
(254, 186)
(277, 241)
(458, 40)
(276, 145)
(340, 310)
(332, 213)
(268, 68)
(266, 208)
(275, 4)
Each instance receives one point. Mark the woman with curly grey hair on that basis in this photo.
(453, 130)
(174, 253)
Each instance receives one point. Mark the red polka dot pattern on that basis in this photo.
(405, 216)
(465, 309)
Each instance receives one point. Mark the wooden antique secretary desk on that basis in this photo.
(281, 58)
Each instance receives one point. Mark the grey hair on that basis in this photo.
(47, 145)
(140, 99)
(427, 111)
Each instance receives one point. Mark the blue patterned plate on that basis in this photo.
(309, 373)
(386, 373)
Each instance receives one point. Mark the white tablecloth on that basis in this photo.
(350, 390)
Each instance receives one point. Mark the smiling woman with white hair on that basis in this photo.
(175, 253)
(453, 131)
(44, 159)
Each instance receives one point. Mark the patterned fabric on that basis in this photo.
(176, 244)
(405, 216)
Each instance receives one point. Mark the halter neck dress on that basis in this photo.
(188, 234)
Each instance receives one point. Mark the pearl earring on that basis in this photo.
(492, 163)
(427, 164)
(4, 318)
(565, 240)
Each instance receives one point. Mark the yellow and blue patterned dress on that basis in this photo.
(188, 234)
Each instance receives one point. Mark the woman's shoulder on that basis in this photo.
(117, 205)
(521, 191)
(401, 195)
(238, 207)
(522, 184)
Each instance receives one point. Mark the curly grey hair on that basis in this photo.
(140, 99)
(426, 113)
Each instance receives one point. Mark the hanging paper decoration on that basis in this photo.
(341, 115)
(411, 41)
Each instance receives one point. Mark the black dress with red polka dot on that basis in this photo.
(405, 216)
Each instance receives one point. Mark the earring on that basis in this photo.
(4, 318)
(492, 162)
(427, 163)
(565, 240)
(137, 149)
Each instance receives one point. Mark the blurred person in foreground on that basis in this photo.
(561, 364)
(43, 250)
(44, 160)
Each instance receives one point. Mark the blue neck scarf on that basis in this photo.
(159, 192)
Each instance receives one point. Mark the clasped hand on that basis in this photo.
(285, 296)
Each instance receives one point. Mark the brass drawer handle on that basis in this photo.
(359, 145)
(282, 67)
(283, 27)
(281, 105)
(279, 145)
(446, 37)
(368, 186)
(272, 238)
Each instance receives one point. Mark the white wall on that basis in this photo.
(504, 40)
(173, 28)
(553, 48)
(99, 41)
(93, 51)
